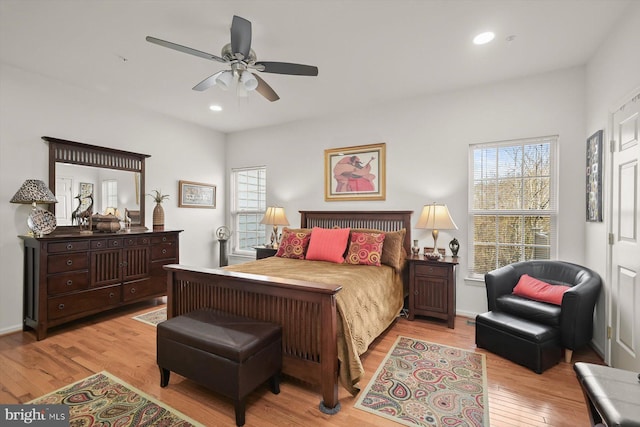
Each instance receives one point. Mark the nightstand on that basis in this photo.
(432, 288)
(264, 252)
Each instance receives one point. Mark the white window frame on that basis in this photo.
(237, 212)
(552, 211)
(109, 194)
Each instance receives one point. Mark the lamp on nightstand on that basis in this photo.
(435, 217)
(274, 216)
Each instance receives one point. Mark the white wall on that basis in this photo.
(32, 106)
(427, 149)
(611, 75)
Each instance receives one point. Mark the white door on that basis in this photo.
(64, 197)
(625, 227)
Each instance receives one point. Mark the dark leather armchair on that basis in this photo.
(574, 317)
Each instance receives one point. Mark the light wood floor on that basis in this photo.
(126, 348)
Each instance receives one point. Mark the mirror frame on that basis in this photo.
(78, 153)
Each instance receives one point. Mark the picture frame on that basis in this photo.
(594, 177)
(196, 195)
(355, 173)
(85, 189)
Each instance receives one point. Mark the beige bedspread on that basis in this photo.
(370, 300)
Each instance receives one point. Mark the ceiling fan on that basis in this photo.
(239, 55)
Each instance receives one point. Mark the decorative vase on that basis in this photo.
(158, 218)
(415, 249)
(454, 245)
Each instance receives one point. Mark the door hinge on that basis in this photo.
(612, 146)
(611, 238)
(608, 332)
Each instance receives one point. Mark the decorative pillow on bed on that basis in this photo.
(365, 248)
(392, 250)
(532, 288)
(294, 243)
(328, 244)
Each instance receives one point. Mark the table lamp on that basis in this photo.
(34, 191)
(435, 217)
(274, 216)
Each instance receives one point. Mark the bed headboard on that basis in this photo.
(379, 220)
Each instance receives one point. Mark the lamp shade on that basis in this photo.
(248, 81)
(436, 217)
(33, 191)
(225, 79)
(275, 216)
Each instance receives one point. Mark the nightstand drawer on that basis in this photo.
(432, 270)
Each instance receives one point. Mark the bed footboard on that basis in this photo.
(306, 311)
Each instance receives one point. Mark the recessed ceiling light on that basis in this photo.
(483, 38)
(215, 108)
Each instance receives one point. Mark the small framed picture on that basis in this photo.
(196, 195)
(355, 173)
(594, 177)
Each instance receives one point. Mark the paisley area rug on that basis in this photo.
(106, 401)
(153, 317)
(425, 384)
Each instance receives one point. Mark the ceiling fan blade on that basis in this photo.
(265, 90)
(241, 36)
(287, 68)
(185, 49)
(208, 82)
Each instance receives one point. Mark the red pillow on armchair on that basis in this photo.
(532, 288)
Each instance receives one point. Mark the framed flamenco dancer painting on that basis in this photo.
(355, 173)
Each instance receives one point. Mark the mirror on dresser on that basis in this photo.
(109, 179)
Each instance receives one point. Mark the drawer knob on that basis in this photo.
(416, 293)
(70, 246)
(164, 251)
(69, 282)
(111, 295)
(60, 306)
(69, 262)
(99, 245)
(430, 269)
(133, 290)
(164, 239)
(145, 241)
(116, 243)
(131, 241)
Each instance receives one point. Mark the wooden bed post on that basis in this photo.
(329, 357)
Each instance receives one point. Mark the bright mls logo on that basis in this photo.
(37, 415)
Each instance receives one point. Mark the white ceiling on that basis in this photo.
(368, 52)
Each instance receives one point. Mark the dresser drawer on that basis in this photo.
(141, 289)
(137, 241)
(167, 238)
(432, 270)
(67, 262)
(163, 251)
(63, 283)
(72, 246)
(81, 302)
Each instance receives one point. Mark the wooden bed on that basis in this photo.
(306, 310)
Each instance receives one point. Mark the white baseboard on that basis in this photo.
(10, 330)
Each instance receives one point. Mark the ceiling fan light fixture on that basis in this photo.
(249, 81)
(225, 80)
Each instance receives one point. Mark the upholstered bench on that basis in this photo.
(228, 354)
(534, 345)
(612, 395)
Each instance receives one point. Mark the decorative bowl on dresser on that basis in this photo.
(70, 276)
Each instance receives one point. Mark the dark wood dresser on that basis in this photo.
(67, 277)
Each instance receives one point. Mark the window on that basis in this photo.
(512, 203)
(109, 194)
(248, 204)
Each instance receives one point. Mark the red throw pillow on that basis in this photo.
(328, 244)
(532, 288)
(365, 248)
(294, 243)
